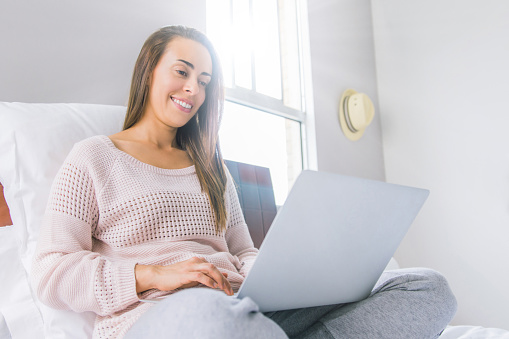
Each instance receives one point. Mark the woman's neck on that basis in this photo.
(161, 137)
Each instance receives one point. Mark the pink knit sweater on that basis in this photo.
(108, 212)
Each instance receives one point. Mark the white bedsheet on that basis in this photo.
(474, 332)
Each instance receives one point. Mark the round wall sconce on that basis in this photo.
(356, 111)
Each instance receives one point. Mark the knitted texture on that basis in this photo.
(107, 212)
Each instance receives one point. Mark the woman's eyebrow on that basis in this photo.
(192, 67)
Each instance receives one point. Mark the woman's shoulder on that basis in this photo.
(93, 142)
(95, 150)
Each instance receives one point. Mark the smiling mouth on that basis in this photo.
(182, 104)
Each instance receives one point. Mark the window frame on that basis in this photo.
(265, 103)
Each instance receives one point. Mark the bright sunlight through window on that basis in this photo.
(250, 136)
(257, 41)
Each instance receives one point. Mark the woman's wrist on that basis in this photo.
(144, 275)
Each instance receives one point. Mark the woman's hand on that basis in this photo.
(185, 274)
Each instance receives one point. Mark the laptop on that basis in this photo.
(330, 241)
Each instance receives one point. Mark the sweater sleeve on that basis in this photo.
(66, 273)
(238, 238)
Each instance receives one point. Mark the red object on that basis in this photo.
(5, 216)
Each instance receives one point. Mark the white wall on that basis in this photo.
(80, 51)
(342, 57)
(84, 51)
(443, 82)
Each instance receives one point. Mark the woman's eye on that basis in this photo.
(183, 73)
(203, 83)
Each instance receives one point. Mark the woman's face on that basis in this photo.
(178, 83)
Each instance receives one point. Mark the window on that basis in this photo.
(268, 140)
(258, 42)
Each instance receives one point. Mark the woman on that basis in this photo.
(151, 211)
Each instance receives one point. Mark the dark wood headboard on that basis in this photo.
(256, 195)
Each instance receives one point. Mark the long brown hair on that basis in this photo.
(199, 137)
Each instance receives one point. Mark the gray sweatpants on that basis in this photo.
(407, 303)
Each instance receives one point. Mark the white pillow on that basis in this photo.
(17, 307)
(4, 330)
(34, 141)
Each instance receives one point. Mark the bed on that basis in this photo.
(34, 140)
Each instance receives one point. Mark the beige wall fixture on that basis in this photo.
(356, 111)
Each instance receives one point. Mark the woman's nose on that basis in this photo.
(192, 87)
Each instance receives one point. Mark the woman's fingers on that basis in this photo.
(196, 271)
(203, 279)
(185, 274)
(218, 279)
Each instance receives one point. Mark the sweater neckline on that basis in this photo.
(167, 171)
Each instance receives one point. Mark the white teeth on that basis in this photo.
(183, 104)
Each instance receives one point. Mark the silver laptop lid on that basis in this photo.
(330, 241)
